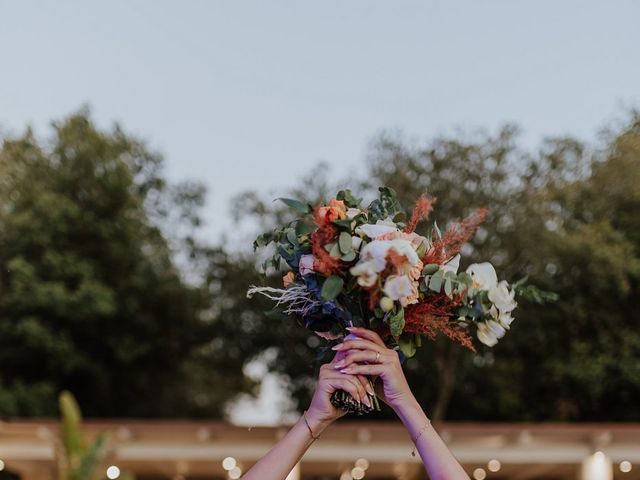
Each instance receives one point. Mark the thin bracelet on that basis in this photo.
(415, 440)
(304, 415)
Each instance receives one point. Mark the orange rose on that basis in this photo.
(336, 210)
(288, 279)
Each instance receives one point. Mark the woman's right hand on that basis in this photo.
(321, 411)
(368, 355)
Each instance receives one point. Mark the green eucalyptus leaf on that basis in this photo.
(349, 257)
(430, 269)
(396, 322)
(436, 281)
(448, 288)
(344, 241)
(335, 251)
(304, 228)
(344, 223)
(407, 345)
(331, 288)
(296, 205)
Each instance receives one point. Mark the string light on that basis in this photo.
(494, 465)
(363, 463)
(235, 473)
(346, 475)
(625, 466)
(113, 472)
(1, 465)
(229, 463)
(479, 474)
(357, 473)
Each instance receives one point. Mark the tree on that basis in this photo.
(91, 300)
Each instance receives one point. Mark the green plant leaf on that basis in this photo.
(345, 242)
(436, 281)
(331, 288)
(407, 345)
(304, 228)
(430, 269)
(296, 205)
(447, 286)
(349, 257)
(335, 251)
(345, 223)
(396, 322)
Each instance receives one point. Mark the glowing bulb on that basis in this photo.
(229, 463)
(235, 473)
(625, 466)
(597, 467)
(357, 473)
(494, 465)
(113, 472)
(363, 463)
(479, 474)
(1, 465)
(346, 475)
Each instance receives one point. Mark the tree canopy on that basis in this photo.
(91, 299)
(105, 290)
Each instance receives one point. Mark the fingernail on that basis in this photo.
(345, 370)
(338, 365)
(336, 347)
(370, 390)
(351, 328)
(367, 402)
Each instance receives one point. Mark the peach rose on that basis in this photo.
(336, 210)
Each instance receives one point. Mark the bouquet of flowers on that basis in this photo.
(367, 267)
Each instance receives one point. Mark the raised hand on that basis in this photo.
(321, 411)
(368, 355)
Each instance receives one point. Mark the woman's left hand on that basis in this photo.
(368, 355)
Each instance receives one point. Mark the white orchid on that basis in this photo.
(483, 275)
(502, 298)
(503, 318)
(490, 332)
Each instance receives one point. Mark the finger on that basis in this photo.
(350, 384)
(358, 344)
(368, 335)
(359, 356)
(358, 369)
(366, 384)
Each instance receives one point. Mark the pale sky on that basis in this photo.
(251, 94)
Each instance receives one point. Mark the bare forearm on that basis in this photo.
(437, 458)
(281, 459)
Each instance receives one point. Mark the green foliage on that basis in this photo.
(91, 299)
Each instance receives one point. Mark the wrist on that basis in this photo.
(315, 423)
(405, 407)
